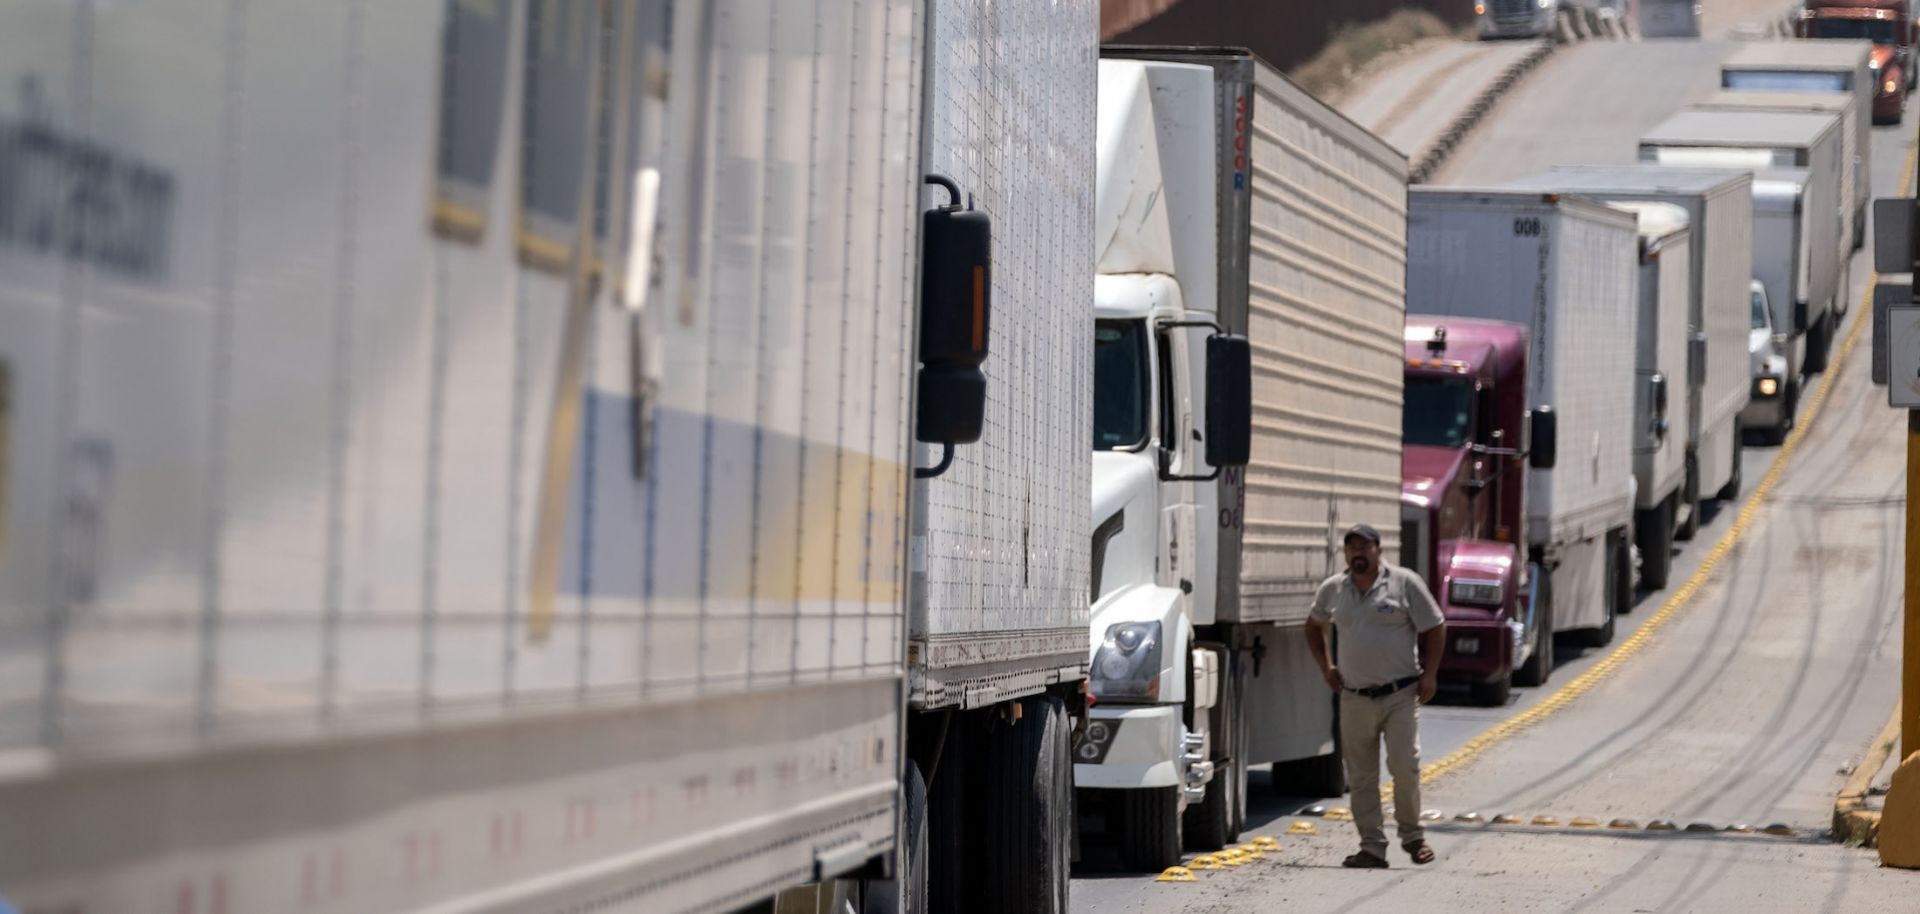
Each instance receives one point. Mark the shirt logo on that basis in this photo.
(1385, 606)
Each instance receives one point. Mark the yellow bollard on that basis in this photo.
(1900, 817)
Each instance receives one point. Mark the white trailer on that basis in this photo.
(1661, 352)
(449, 471)
(1849, 69)
(1228, 196)
(1716, 380)
(1783, 240)
(1854, 173)
(1565, 267)
(1760, 140)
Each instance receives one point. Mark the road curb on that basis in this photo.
(1853, 823)
(1436, 155)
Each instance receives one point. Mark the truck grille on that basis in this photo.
(1509, 12)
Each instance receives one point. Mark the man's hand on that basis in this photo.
(1429, 687)
(1332, 675)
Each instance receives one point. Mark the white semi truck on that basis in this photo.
(460, 456)
(1229, 202)
(1564, 267)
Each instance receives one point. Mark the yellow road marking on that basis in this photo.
(1611, 664)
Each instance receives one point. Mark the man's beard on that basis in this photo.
(1359, 565)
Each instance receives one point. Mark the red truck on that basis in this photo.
(1889, 25)
(1463, 487)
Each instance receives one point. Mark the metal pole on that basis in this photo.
(1910, 649)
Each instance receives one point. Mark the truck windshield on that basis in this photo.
(1119, 384)
(1786, 81)
(1759, 310)
(1439, 412)
(1876, 31)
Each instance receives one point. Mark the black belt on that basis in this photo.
(1382, 691)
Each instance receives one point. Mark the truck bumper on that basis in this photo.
(1478, 650)
(1534, 26)
(1127, 747)
(1765, 410)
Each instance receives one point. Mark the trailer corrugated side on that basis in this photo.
(1855, 165)
(1000, 570)
(1313, 263)
(1826, 65)
(1665, 287)
(354, 561)
(1563, 266)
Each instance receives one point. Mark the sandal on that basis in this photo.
(1367, 860)
(1419, 851)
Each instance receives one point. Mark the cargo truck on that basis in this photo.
(1711, 377)
(1669, 18)
(1855, 144)
(1517, 18)
(1845, 68)
(1761, 140)
(1784, 239)
(1888, 24)
(1565, 268)
(450, 472)
(1229, 202)
(1471, 440)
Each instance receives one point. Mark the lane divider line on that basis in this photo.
(1678, 600)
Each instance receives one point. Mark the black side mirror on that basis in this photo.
(1545, 451)
(956, 256)
(1229, 400)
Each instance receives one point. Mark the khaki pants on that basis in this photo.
(1363, 722)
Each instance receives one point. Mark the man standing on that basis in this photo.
(1383, 615)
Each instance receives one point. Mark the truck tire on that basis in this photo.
(907, 892)
(953, 825)
(1731, 491)
(1213, 823)
(1024, 848)
(1615, 562)
(1653, 533)
(1777, 434)
(1150, 838)
(1539, 666)
(1690, 500)
(1819, 339)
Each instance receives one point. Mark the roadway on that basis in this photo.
(1743, 704)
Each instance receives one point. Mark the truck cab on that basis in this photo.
(1886, 23)
(1463, 498)
(1516, 18)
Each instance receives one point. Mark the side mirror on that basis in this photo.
(1229, 400)
(1697, 360)
(1545, 450)
(956, 256)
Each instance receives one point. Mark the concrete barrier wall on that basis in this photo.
(1285, 32)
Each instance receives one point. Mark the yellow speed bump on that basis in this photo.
(1584, 822)
(1432, 815)
(1740, 828)
(1623, 824)
(1469, 818)
(1546, 821)
(1340, 814)
(1302, 828)
(1177, 874)
(1229, 857)
(1662, 825)
(1701, 827)
(1252, 852)
(1267, 843)
(1779, 830)
(1204, 862)
(1506, 819)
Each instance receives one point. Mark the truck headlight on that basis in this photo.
(1126, 666)
(1476, 593)
(1891, 87)
(1769, 387)
(1546, 4)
